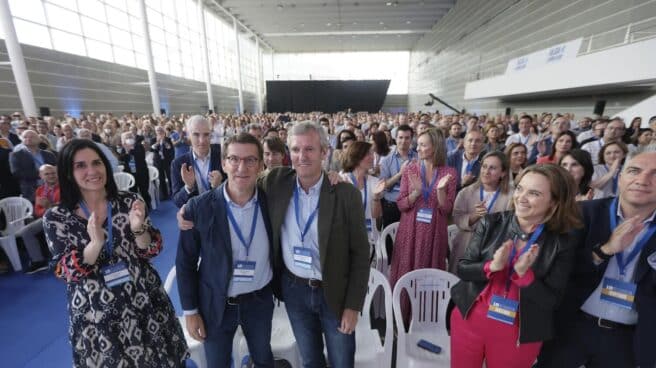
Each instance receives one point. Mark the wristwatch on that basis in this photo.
(600, 253)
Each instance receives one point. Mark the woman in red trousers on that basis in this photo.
(514, 273)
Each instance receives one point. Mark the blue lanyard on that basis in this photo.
(398, 162)
(425, 190)
(235, 226)
(615, 178)
(355, 182)
(310, 219)
(638, 247)
(525, 142)
(494, 198)
(534, 237)
(110, 237)
(203, 178)
(38, 159)
(470, 164)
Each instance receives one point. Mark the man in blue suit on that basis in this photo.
(200, 169)
(231, 235)
(608, 315)
(25, 163)
(467, 161)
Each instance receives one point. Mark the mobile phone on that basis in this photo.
(429, 346)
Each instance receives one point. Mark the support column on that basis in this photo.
(206, 56)
(258, 88)
(17, 61)
(239, 83)
(152, 78)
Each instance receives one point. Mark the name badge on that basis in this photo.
(116, 274)
(367, 223)
(503, 310)
(425, 215)
(619, 293)
(133, 165)
(302, 258)
(244, 271)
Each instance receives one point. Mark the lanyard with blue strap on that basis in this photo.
(494, 198)
(303, 229)
(203, 176)
(110, 238)
(470, 164)
(355, 182)
(534, 237)
(38, 159)
(235, 225)
(615, 178)
(621, 263)
(396, 156)
(525, 142)
(425, 188)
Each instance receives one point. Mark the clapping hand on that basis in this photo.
(188, 175)
(95, 230)
(526, 260)
(182, 223)
(215, 178)
(137, 215)
(415, 183)
(623, 235)
(441, 185)
(379, 188)
(501, 255)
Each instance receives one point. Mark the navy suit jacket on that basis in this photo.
(180, 195)
(24, 169)
(586, 276)
(205, 286)
(455, 161)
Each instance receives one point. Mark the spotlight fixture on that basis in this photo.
(429, 103)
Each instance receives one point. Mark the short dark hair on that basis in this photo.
(405, 128)
(269, 131)
(354, 155)
(529, 117)
(324, 120)
(70, 191)
(350, 134)
(572, 136)
(585, 160)
(242, 138)
(275, 144)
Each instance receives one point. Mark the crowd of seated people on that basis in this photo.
(484, 174)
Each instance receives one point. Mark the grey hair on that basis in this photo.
(84, 133)
(254, 126)
(197, 119)
(305, 127)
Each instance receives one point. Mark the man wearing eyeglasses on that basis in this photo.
(231, 236)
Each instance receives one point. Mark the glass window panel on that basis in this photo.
(133, 7)
(172, 42)
(95, 29)
(156, 34)
(121, 38)
(118, 4)
(118, 18)
(155, 4)
(161, 65)
(138, 43)
(188, 72)
(159, 51)
(63, 19)
(168, 7)
(28, 9)
(67, 42)
(32, 34)
(154, 17)
(100, 50)
(175, 69)
(124, 56)
(68, 4)
(135, 26)
(94, 9)
(141, 61)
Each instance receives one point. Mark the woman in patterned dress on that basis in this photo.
(119, 314)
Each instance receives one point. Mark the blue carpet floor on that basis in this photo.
(33, 315)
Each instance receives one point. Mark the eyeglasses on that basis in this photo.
(250, 161)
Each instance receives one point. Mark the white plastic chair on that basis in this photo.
(16, 210)
(283, 342)
(153, 188)
(196, 350)
(429, 293)
(382, 258)
(119, 168)
(124, 181)
(370, 350)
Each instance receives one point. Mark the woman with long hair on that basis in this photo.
(607, 171)
(381, 150)
(119, 313)
(564, 143)
(579, 164)
(517, 154)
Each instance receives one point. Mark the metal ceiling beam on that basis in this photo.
(346, 33)
(248, 30)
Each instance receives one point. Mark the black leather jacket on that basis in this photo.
(537, 301)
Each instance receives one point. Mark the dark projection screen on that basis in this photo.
(327, 96)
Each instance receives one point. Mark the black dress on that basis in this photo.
(128, 325)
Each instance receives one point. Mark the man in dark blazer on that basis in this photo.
(132, 156)
(320, 250)
(200, 169)
(608, 315)
(25, 163)
(231, 236)
(467, 161)
(163, 154)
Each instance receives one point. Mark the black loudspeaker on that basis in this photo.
(162, 111)
(599, 107)
(507, 111)
(44, 111)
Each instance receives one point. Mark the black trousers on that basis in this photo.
(586, 343)
(391, 214)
